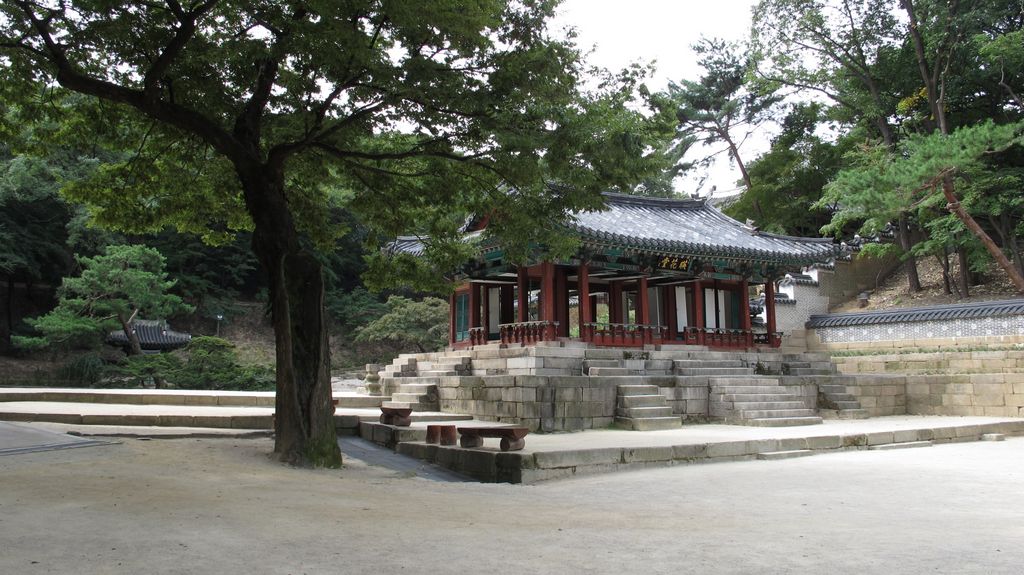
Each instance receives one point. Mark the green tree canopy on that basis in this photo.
(259, 115)
(422, 325)
(112, 290)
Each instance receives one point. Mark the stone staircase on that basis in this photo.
(758, 401)
(835, 402)
(643, 408)
(420, 394)
(417, 379)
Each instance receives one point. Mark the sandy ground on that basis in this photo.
(221, 506)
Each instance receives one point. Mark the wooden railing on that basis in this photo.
(625, 335)
(527, 332)
(622, 334)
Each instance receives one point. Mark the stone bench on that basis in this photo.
(512, 438)
(397, 416)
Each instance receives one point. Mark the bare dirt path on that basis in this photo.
(220, 506)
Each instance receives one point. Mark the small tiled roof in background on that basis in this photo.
(153, 335)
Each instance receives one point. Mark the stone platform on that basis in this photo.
(564, 455)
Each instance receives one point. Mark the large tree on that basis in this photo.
(255, 114)
(719, 110)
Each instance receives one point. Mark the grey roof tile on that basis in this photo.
(930, 313)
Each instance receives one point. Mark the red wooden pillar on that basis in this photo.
(643, 309)
(474, 307)
(583, 291)
(451, 319)
(745, 312)
(668, 295)
(698, 310)
(547, 297)
(506, 299)
(614, 302)
(523, 287)
(485, 319)
(769, 306)
(562, 300)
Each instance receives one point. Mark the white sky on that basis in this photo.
(625, 31)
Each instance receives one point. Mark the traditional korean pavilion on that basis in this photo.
(649, 271)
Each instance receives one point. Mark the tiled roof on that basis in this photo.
(930, 313)
(798, 279)
(677, 227)
(153, 335)
(691, 227)
(412, 245)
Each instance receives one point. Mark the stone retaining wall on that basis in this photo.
(559, 403)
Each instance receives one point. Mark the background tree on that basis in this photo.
(251, 114)
(410, 323)
(112, 290)
(789, 179)
(718, 109)
(925, 165)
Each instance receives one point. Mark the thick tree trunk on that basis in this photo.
(134, 347)
(304, 422)
(965, 271)
(7, 326)
(955, 207)
(903, 236)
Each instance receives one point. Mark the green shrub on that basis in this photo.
(84, 370)
(207, 363)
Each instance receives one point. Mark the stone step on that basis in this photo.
(774, 455)
(644, 412)
(747, 390)
(993, 437)
(690, 363)
(715, 371)
(624, 390)
(756, 397)
(792, 404)
(603, 353)
(650, 423)
(414, 397)
(854, 413)
(589, 364)
(745, 381)
(626, 401)
(901, 445)
(775, 413)
(808, 371)
(438, 373)
(417, 387)
(781, 421)
(606, 371)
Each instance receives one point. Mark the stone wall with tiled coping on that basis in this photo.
(947, 332)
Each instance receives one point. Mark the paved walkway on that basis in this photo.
(546, 456)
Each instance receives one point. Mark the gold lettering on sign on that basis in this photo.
(671, 263)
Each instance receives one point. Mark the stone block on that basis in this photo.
(727, 449)
(689, 452)
(825, 442)
(568, 394)
(572, 458)
(955, 400)
(989, 400)
(880, 437)
(636, 454)
(530, 381)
